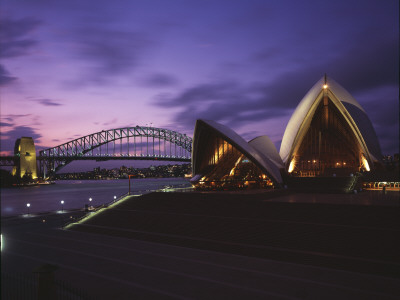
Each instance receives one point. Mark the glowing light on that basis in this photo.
(115, 197)
(365, 164)
(62, 201)
(232, 172)
(325, 86)
(28, 205)
(90, 199)
(1, 242)
(291, 166)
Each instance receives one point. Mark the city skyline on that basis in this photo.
(73, 68)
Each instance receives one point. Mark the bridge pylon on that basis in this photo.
(25, 162)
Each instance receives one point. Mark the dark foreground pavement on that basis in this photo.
(160, 247)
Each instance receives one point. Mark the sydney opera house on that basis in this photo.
(328, 135)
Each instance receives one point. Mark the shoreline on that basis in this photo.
(76, 194)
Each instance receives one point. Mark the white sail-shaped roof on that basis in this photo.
(266, 147)
(261, 160)
(349, 107)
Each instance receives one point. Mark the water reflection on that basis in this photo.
(76, 194)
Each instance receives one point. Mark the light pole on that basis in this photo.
(28, 205)
(62, 205)
(87, 205)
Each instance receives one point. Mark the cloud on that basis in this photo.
(360, 68)
(4, 124)
(14, 36)
(36, 121)
(47, 102)
(382, 107)
(160, 80)
(5, 77)
(105, 54)
(113, 121)
(368, 72)
(230, 102)
(15, 41)
(12, 117)
(365, 67)
(8, 138)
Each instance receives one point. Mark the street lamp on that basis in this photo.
(115, 197)
(28, 205)
(90, 199)
(62, 205)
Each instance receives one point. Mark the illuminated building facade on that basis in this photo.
(224, 160)
(329, 133)
(25, 150)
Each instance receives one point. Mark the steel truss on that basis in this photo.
(83, 148)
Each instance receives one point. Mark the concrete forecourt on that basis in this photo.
(258, 245)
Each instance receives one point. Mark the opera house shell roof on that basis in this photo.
(217, 150)
(351, 111)
(328, 134)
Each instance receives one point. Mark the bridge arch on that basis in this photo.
(141, 143)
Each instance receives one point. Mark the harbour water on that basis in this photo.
(76, 193)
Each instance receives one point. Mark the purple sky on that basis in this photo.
(72, 68)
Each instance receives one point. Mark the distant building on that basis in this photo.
(329, 134)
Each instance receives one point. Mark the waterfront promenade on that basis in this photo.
(270, 245)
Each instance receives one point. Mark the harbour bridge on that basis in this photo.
(129, 143)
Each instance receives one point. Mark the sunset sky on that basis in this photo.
(72, 68)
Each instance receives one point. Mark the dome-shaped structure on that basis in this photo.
(328, 130)
(222, 158)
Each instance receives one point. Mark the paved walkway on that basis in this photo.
(110, 267)
(119, 268)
